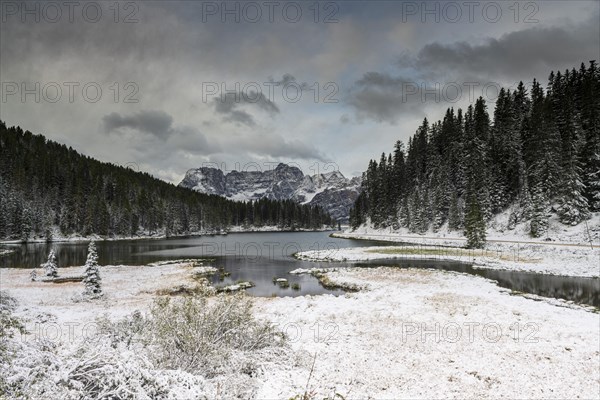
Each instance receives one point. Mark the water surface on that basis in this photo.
(261, 256)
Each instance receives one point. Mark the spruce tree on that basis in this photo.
(454, 214)
(50, 267)
(593, 182)
(574, 207)
(539, 214)
(92, 280)
(475, 229)
(404, 214)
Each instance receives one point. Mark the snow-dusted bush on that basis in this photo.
(197, 335)
(10, 325)
(184, 348)
(92, 280)
(50, 267)
(101, 371)
(94, 370)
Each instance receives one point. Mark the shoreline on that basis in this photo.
(542, 258)
(449, 241)
(97, 238)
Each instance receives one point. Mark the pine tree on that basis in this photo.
(593, 182)
(92, 280)
(539, 214)
(475, 229)
(404, 214)
(454, 214)
(573, 205)
(543, 148)
(50, 267)
(590, 119)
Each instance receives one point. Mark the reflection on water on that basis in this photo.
(256, 257)
(259, 257)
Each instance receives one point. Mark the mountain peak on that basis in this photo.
(330, 190)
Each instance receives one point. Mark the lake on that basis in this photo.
(261, 256)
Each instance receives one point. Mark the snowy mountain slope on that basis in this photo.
(332, 191)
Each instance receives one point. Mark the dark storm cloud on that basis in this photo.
(288, 79)
(170, 48)
(158, 123)
(285, 79)
(384, 98)
(446, 73)
(514, 55)
(229, 106)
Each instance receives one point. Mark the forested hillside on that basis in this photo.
(537, 154)
(48, 189)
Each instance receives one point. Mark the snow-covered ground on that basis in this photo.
(585, 234)
(409, 333)
(554, 260)
(126, 288)
(58, 237)
(431, 334)
(568, 251)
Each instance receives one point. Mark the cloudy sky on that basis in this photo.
(165, 86)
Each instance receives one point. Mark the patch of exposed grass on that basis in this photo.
(451, 252)
(329, 284)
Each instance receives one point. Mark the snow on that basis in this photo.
(285, 182)
(365, 346)
(301, 271)
(570, 251)
(57, 237)
(236, 287)
(586, 233)
(553, 260)
(245, 195)
(126, 288)
(369, 344)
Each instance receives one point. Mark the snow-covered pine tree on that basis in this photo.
(590, 118)
(539, 214)
(414, 211)
(593, 182)
(404, 214)
(475, 229)
(92, 280)
(573, 205)
(50, 267)
(454, 214)
(476, 157)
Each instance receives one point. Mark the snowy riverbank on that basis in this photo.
(433, 334)
(126, 288)
(57, 237)
(567, 251)
(407, 334)
(538, 258)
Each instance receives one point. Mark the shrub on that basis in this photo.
(197, 336)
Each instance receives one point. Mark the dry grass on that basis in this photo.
(434, 252)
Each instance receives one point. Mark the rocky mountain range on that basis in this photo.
(332, 191)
